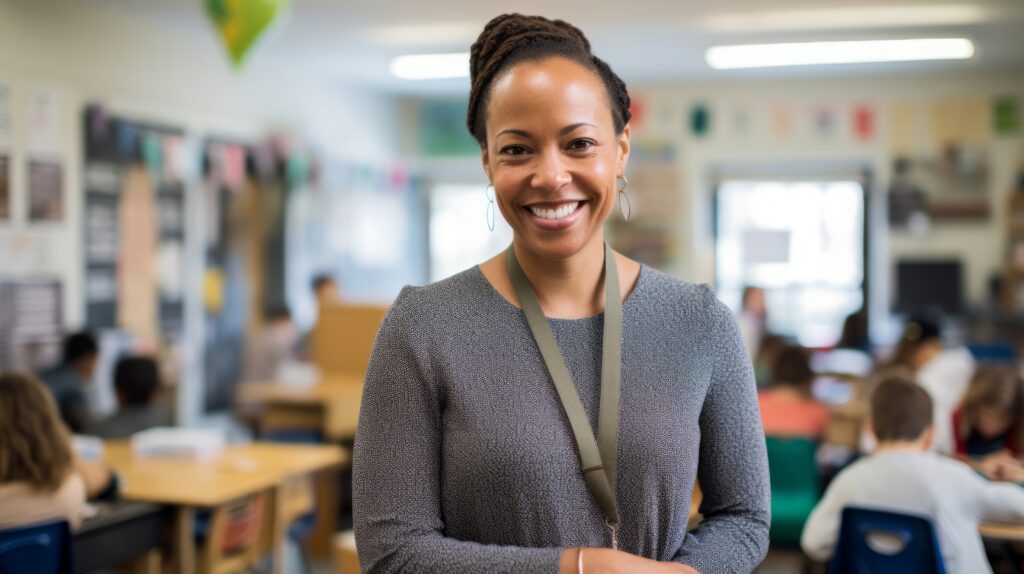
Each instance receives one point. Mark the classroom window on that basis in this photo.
(459, 234)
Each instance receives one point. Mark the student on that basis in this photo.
(989, 424)
(67, 381)
(904, 476)
(41, 478)
(272, 346)
(944, 373)
(787, 408)
(327, 293)
(852, 353)
(136, 382)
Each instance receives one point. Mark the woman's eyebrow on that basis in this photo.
(561, 132)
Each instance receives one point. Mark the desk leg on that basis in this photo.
(278, 530)
(147, 564)
(185, 541)
(321, 542)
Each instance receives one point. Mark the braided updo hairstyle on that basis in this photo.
(513, 38)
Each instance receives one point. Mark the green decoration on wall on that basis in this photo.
(241, 23)
(443, 129)
(1006, 116)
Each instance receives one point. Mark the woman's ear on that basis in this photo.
(623, 158)
(485, 158)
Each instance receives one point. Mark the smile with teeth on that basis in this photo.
(562, 211)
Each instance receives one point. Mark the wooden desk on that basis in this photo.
(1007, 532)
(331, 406)
(238, 471)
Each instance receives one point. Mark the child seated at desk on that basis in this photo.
(787, 408)
(989, 424)
(41, 478)
(136, 381)
(902, 475)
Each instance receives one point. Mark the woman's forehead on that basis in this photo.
(555, 89)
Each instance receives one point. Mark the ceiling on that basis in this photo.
(646, 41)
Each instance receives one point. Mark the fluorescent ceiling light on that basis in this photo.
(849, 18)
(431, 66)
(806, 53)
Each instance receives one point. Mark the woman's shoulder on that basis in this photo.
(452, 297)
(661, 293)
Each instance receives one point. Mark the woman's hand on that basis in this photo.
(608, 561)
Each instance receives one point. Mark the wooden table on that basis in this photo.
(331, 406)
(238, 471)
(1008, 532)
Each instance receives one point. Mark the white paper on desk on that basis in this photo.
(174, 442)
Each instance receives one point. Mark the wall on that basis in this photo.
(156, 72)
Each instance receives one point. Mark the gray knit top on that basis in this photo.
(464, 460)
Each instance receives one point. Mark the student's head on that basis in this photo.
(552, 121)
(753, 300)
(34, 444)
(993, 404)
(81, 353)
(920, 342)
(855, 332)
(792, 368)
(325, 289)
(136, 380)
(901, 411)
(278, 314)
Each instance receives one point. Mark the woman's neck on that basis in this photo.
(567, 288)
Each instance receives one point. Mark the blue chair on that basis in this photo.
(38, 548)
(878, 542)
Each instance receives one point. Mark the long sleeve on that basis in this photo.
(821, 531)
(733, 465)
(398, 515)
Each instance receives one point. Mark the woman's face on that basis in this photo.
(553, 155)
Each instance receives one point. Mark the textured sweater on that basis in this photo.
(465, 462)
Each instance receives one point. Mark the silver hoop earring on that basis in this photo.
(490, 206)
(626, 212)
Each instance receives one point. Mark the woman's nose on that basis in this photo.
(550, 173)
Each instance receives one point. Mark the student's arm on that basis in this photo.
(95, 475)
(733, 466)
(821, 531)
(996, 501)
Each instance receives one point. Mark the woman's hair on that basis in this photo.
(855, 331)
(34, 444)
(999, 389)
(513, 38)
(792, 367)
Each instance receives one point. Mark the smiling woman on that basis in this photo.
(476, 449)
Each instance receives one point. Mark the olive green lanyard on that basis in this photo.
(597, 456)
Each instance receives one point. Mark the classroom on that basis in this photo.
(341, 287)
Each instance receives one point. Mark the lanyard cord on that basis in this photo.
(596, 456)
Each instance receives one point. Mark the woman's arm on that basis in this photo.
(398, 517)
(733, 466)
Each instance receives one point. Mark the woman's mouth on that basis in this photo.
(556, 215)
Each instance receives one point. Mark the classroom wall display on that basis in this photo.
(31, 323)
(1006, 118)
(133, 225)
(45, 190)
(5, 186)
(442, 129)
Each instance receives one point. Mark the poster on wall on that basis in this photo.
(30, 324)
(6, 116)
(45, 191)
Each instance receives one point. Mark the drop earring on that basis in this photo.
(627, 211)
(490, 206)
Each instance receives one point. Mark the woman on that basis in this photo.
(40, 476)
(466, 459)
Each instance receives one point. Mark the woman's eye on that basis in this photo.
(580, 145)
(513, 150)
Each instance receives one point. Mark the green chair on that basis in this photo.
(796, 486)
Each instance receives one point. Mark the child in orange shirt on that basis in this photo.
(787, 408)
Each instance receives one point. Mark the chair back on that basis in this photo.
(38, 548)
(795, 484)
(877, 541)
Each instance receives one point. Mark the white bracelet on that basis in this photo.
(579, 562)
